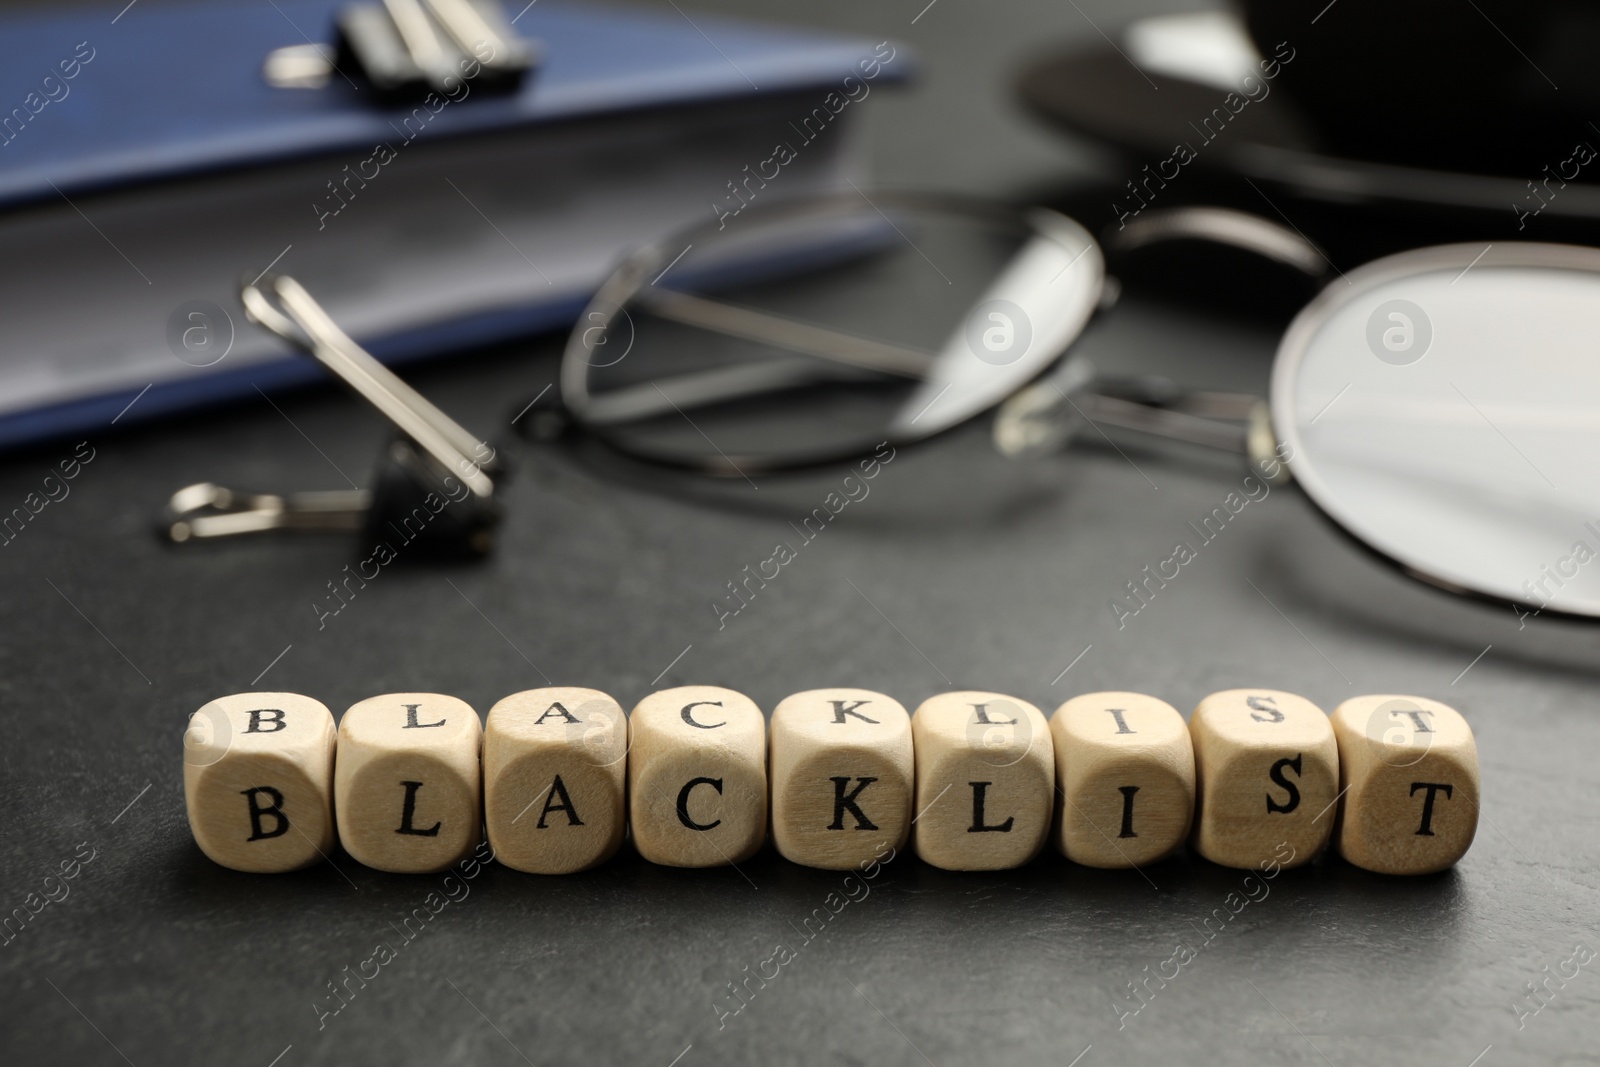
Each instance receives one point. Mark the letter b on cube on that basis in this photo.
(258, 781)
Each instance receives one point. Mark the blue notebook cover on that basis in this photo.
(163, 94)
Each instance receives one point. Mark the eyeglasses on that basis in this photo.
(813, 332)
(1441, 406)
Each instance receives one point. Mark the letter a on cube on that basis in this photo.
(555, 764)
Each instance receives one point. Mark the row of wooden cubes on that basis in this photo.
(976, 781)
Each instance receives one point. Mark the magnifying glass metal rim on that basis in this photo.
(1335, 296)
(647, 263)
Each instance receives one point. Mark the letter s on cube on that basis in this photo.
(258, 781)
(1267, 774)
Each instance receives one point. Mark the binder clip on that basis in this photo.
(434, 492)
(407, 49)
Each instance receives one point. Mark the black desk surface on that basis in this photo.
(997, 575)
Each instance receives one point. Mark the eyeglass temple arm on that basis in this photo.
(1255, 439)
(1188, 418)
(663, 396)
(1166, 422)
(1149, 405)
(845, 357)
(1236, 229)
(766, 328)
(1224, 226)
(1041, 417)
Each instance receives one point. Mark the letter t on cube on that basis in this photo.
(1409, 771)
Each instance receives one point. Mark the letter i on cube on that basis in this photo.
(555, 777)
(408, 787)
(258, 781)
(1125, 770)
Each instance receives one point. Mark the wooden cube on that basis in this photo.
(1267, 775)
(1409, 768)
(407, 785)
(555, 766)
(843, 773)
(985, 781)
(697, 777)
(258, 781)
(1125, 779)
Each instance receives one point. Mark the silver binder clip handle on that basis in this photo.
(408, 48)
(205, 511)
(433, 492)
(298, 66)
(422, 40)
(303, 323)
(482, 31)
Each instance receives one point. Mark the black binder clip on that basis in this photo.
(435, 488)
(406, 49)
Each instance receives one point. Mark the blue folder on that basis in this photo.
(106, 174)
